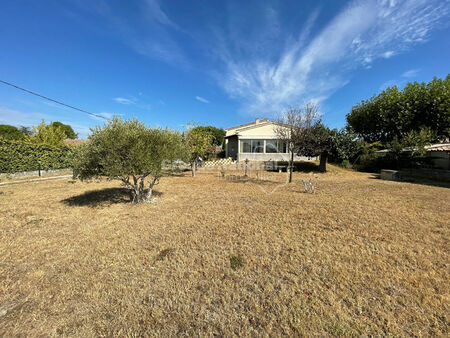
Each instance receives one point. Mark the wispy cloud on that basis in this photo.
(411, 73)
(201, 99)
(388, 54)
(361, 33)
(123, 100)
(148, 32)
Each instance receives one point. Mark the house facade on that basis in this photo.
(257, 141)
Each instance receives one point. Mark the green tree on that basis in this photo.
(199, 143)
(346, 145)
(394, 113)
(8, 132)
(131, 152)
(316, 140)
(218, 134)
(26, 130)
(68, 130)
(48, 134)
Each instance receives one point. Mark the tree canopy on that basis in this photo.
(315, 140)
(8, 132)
(218, 134)
(395, 113)
(68, 130)
(198, 142)
(48, 134)
(129, 151)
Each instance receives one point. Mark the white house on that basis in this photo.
(257, 141)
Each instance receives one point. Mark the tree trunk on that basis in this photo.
(323, 162)
(150, 189)
(291, 166)
(193, 167)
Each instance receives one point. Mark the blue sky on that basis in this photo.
(214, 62)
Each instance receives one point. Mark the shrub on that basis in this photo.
(17, 156)
(345, 164)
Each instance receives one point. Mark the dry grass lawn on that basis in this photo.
(216, 257)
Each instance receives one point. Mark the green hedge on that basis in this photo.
(17, 156)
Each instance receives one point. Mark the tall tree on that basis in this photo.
(131, 152)
(291, 127)
(199, 142)
(346, 145)
(10, 132)
(48, 134)
(68, 130)
(218, 134)
(394, 113)
(316, 140)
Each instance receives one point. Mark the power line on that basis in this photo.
(49, 99)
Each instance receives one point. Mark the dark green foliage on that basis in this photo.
(68, 130)
(236, 262)
(409, 152)
(8, 132)
(17, 156)
(394, 113)
(26, 130)
(315, 140)
(345, 146)
(345, 164)
(218, 135)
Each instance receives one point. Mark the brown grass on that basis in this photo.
(218, 257)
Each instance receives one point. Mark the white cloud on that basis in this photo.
(123, 100)
(361, 33)
(388, 54)
(411, 73)
(201, 99)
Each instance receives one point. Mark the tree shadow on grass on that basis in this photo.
(105, 196)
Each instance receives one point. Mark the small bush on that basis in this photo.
(345, 164)
(236, 262)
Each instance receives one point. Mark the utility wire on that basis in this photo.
(49, 99)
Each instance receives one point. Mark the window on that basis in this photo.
(252, 146)
(271, 146)
(276, 146)
(282, 147)
(246, 146)
(257, 146)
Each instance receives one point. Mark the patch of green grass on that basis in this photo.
(236, 262)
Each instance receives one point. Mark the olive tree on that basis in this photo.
(129, 151)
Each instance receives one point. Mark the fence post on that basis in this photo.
(39, 168)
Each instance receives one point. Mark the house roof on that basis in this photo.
(71, 142)
(439, 147)
(257, 121)
(431, 147)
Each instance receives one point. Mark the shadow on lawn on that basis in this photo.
(417, 180)
(105, 196)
